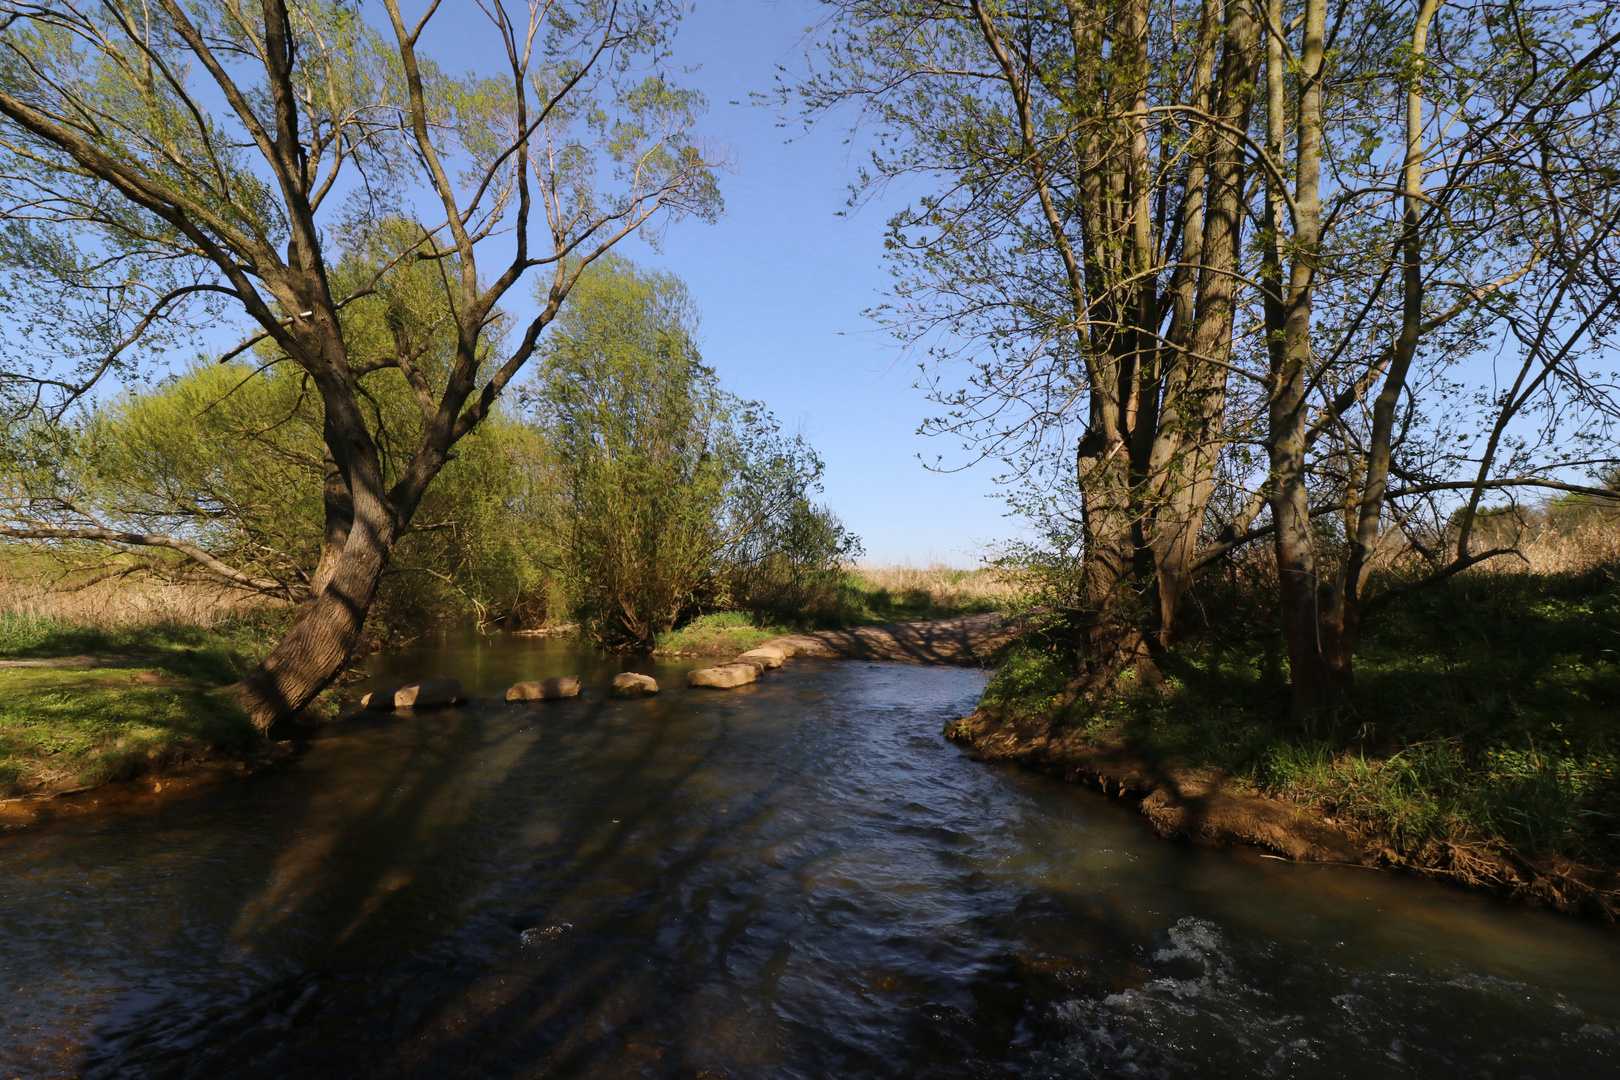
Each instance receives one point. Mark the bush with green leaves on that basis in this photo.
(676, 495)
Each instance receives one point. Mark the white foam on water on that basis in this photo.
(1203, 1014)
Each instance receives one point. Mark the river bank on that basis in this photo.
(1480, 746)
(117, 711)
(1201, 806)
(135, 725)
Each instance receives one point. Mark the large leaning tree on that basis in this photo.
(1316, 272)
(164, 164)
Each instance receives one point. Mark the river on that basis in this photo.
(800, 878)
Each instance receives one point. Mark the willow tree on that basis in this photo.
(228, 151)
(672, 491)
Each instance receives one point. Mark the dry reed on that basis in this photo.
(119, 603)
(945, 586)
(1579, 549)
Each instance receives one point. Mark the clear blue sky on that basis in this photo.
(782, 282)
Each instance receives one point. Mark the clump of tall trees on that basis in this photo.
(622, 488)
(673, 492)
(1324, 276)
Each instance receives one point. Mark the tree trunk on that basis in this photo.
(362, 525)
(1291, 340)
(339, 507)
(325, 632)
(1190, 429)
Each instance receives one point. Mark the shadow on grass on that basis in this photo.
(1486, 707)
(211, 655)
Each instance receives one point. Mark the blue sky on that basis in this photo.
(782, 282)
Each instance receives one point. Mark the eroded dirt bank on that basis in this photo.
(159, 786)
(1209, 809)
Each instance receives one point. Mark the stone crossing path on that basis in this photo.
(970, 640)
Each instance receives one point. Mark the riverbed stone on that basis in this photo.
(723, 677)
(629, 684)
(566, 686)
(766, 656)
(427, 694)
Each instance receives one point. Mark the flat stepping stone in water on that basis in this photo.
(631, 685)
(427, 694)
(766, 656)
(545, 689)
(724, 677)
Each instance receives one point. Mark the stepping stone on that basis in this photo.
(545, 689)
(766, 656)
(724, 677)
(630, 685)
(427, 694)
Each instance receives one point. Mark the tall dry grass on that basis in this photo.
(1577, 549)
(118, 603)
(945, 586)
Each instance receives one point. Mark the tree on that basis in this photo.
(230, 459)
(1489, 231)
(670, 484)
(246, 148)
(1082, 256)
(1238, 265)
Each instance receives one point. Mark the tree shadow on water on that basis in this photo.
(661, 874)
(391, 899)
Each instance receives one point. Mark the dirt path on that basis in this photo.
(970, 641)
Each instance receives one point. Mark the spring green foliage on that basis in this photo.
(69, 727)
(230, 458)
(1484, 709)
(675, 495)
(633, 493)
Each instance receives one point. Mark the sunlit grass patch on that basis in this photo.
(218, 653)
(63, 728)
(722, 633)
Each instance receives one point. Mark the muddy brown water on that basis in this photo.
(796, 879)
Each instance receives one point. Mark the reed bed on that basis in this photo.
(119, 603)
(945, 586)
(1579, 549)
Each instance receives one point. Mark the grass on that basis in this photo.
(1485, 709)
(723, 633)
(71, 727)
(866, 596)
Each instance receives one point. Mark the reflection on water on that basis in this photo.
(795, 879)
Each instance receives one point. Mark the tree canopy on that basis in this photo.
(1284, 270)
(164, 164)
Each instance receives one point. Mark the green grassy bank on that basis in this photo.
(1485, 711)
(158, 704)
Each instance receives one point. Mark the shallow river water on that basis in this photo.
(796, 879)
